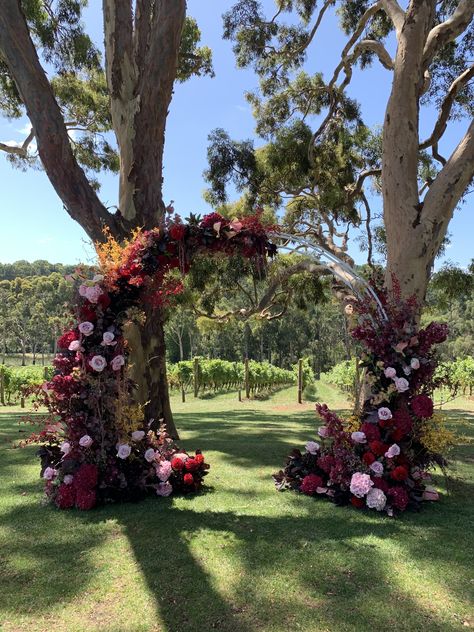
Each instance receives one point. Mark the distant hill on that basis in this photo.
(22, 269)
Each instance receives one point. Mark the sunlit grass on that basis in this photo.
(241, 557)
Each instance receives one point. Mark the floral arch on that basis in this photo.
(98, 446)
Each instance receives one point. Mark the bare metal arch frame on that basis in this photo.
(340, 270)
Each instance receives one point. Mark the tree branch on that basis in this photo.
(448, 187)
(395, 13)
(445, 110)
(447, 31)
(65, 174)
(19, 150)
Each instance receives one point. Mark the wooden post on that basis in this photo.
(240, 395)
(196, 376)
(300, 381)
(22, 401)
(183, 394)
(247, 379)
(2, 389)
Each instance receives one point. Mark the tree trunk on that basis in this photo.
(147, 362)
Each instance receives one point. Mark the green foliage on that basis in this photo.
(222, 375)
(457, 376)
(343, 375)
(17, 380)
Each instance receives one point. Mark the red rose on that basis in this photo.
(400, 473)
(368, 458)
(188, 479)
(65, 340)
(199, 458)
(85, 499)
(378, 447)
(402, 422)
(357, 502)
(177, 464)
(177, 232)
(66, 496)
(208, 221)
(422, 406)
(371, 431)
(311, 483)
(191, 465)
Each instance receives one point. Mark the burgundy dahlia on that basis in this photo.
(422, 406)
(398, 497)
(310, 484)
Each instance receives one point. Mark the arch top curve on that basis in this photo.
(338, 268)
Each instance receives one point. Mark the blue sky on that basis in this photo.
(34, 224)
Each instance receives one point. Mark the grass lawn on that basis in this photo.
(241, 557)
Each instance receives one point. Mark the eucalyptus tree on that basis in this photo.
(51, 71)
(320, 157)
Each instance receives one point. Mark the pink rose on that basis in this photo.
(323, 432)
(149, 455)
(390, 372)
(67, 480)
(312, 447)
(124, 451)
(137, 435)
(117, 363)
(65, 447)
(430, 493)
(394, 450)
(85, 441)
(359, 437)
(86, 328)
(377, 468)
(415, 364)
(82, 290)
(93, 293)
(164, 489)
(98, 363)
(235, 225)
(75, 345)
(384, 413)
(401, 384)
(164, 470)
(108, 339)
(49, 473)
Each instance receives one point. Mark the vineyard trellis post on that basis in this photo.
(196, 376)
(300, 381)
(247, 380)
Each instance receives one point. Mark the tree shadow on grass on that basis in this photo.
(313, 566)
